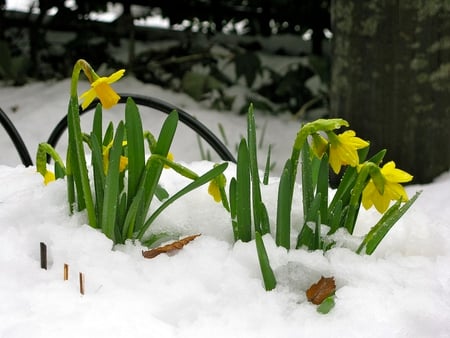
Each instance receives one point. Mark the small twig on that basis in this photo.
(66, 272)
(81, 283)
(43, 255)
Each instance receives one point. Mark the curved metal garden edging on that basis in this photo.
(164, 107)
(16, 139)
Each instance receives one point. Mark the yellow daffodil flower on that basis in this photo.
(170, 158)
(123, 160)
(49, 177)
(393, 191)
(101, 88)
(215, 187)
(343, 149)
(214, 191)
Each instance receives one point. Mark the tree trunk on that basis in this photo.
(391, 79)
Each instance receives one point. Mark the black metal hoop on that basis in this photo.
(16, 139)
(164, 107)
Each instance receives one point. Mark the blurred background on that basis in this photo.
(382, 65)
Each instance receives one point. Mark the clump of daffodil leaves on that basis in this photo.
(124, 181)
(317, 148)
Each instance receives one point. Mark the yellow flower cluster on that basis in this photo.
(343, 150)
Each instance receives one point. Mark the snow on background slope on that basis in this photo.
(212, 286)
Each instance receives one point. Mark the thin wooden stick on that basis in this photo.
(66, 272)
(81, 283)
(43, 252)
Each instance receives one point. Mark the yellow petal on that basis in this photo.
(349, 137)
(123, 163)
(88, 97)
(367, 195)
(107, 96)
(214, 191)
(395, 175)
(116, 76)
(381, 202)
(48, 177)
(335, 162)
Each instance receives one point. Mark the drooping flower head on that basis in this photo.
(101, 88)
(343, 149)
(391, 190)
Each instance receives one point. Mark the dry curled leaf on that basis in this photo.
(324, 288)
(177, 245)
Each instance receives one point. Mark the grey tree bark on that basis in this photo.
(391, 79)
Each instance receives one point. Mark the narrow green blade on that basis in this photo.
(111, 195)
(135, 143)
(283, 234)
(243, 203)
(269, 279)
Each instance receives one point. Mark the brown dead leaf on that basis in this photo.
(177, 245)
(325, 287)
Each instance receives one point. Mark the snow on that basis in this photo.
(212, 286)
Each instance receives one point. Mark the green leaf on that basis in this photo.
(243, 208)
(97, 123)
(307, 235)
(99, 175)
(161, 193)
(135, 146)
(322, 188)
(121, 215)
(269, 279)
(267, 167)
(109, 134)
(327, 305)
(387, 221)
(111, 193)
(283, 234)
(154, 167)
(335, 216)
(232, 193)
(317, 233)
(78, 162)
(264, 217)
(254, 170)
(180, 169)
(307, 180)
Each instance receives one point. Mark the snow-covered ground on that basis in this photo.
(212, 287)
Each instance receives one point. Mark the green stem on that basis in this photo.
(81, 178)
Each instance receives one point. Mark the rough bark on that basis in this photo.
(391, 79)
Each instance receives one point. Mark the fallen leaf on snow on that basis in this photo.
(325, 287)
(177, 245)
